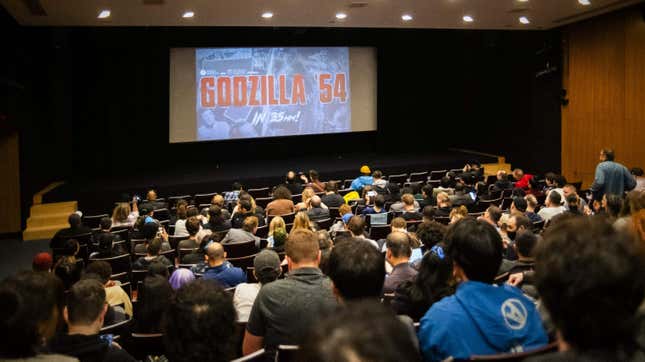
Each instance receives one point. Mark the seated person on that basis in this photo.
(152, 255)
(378, 208)
(219, 269)
(42, 262)
(531, 205)
(180, 277)
(75, 228)
(151, 202)
(68, 268)
(84, 313)
(294, 183)
(216, 220)
(595, 315)
(406, 204)
(398, 256)
(461, 325)
(317, 212)
(410, 211)
(458, 213)
(153, 298)
(104, 241)
(282, 203)
(200, 324)
(357, 270)
(356, 227)
(245, 233)
(364, 180)
(331, 198)
(552, 207)
(150, 231)
(266, 268)
(444, 205)
(192, 228)
(114, 294)
(461, 197)
(245, 210)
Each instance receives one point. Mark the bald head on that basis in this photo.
(398, 244)
(215, 252)
(315, 201)
(152, 195)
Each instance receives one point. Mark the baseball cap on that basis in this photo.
(365, 169)
(42, 262)
(347, 216)
(266, 261)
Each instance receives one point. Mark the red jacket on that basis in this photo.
(523, 183)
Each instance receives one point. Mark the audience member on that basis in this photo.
(151, 231)
(84, 313)
(266, 269)
(200, 324)
(570, 189)
(75, 229)
(461, 196)
(154, 247)
(331, 198)
(293, 183)
(314, 181)
(244, 211)
(363, 331)
(316, 211)
(286, 309)
(301, 221)
(180, 277)
(305, 204)
(612, 204)
(364, 180)
(114, 294)
(531, 205)
(42, 262)
(460, 326)
(356, 227)
(637, 172)
(357, 270)
(152, 203)
(182, 215)
(216, 220)
(220, 270)
(611, 177)
(379, 184)
(444, 205)
(123, 215)
(502, 183)
(458, 213)
(282, 203)
(398, 256)
(218, 200)
(244, 234)
(552, 206)
(595, 315)
(68, 268)
(277, 223)
(192, 228)
(325, 244)
(378, 208)
(410, 211)
(445, 185)
(522, 180)
(232, 196)
(492, 215)
(153, 298)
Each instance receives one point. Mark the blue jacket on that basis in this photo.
(612, 178)
(360, 182)
(480, 319)
(226, 274)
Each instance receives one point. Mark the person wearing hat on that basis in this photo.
(266, 268)
(363, 180)
(42, 262)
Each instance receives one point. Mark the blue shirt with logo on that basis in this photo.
(226, 274)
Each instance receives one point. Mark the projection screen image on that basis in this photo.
(242, 93)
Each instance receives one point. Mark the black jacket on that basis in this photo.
(88, 349)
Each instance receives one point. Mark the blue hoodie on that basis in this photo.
(480, 319)
(360, 182)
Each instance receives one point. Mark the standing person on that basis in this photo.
(611, 177)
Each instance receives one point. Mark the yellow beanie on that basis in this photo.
(365, 169)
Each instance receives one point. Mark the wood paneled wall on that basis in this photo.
(9, 183)
(604, 74)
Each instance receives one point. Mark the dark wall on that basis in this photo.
(95, 100)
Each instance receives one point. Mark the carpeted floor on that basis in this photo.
(17, 255)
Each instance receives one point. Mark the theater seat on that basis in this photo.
(516, 357)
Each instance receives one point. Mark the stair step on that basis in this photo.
(48, 219)
(42, 232)
(54, 208)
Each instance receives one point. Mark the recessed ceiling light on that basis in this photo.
(188, 14)
(584, 2)
(468, 18)
(341, 16)
(104, 14)
(524, 20)
(267, 15)
(406, 17)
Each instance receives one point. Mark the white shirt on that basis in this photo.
(180, 228)
(245, 294)
(548, 212)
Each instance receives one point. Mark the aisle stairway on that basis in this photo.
(45, 219)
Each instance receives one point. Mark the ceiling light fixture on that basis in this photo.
(188, 14)
(267, 15)
(584, 2)
(341, 16)
(104, 14)
(524, 20)
(406, 17)
(468, 18)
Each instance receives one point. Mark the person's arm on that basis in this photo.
(599, 179)
(630, 180)
(135, 206)
(251, 343)
(255, 328)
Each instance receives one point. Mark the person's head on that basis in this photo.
(351, 334)
(365, 170)
(279, 238)
(276, 223)
(42, 262)
(398, 248)
(215, 216)
(153, 297)
(606, 154)
(569, 189)
(71, 247)
(377, 175)
(244, 206)
(517, 223)
(86, 305)
(266, 265)
(501, 175)
(74, 220)
(525, 243)
(605, 287)
(492, 215)
(356, 226)
(459, 188)
(518, 174)
(158, 268)
(192, 225)
(180, 277)
(344, 209)
(559, 181)
(30, 304)
(313, 175)
(290, 177)
(331, 186)
(443, 200)
(379, 201)
(302, 249)
(531, 202)
(458, 213)
(182, 208)
(357, 270)
(250, 224)
(426, 191)
(430, 233)
(445, 182)
(154, 247)
(518, 192)
(307, 194)
(428, 213)
(614, 203)
(519, 204)
(324, 240)
(476, 250)
(398, 224)
(200, 323)
(149, 230)
(408, 200)
(151, 195)
(316, 202)
(554, 199)
(281, 193)
(301, 221)
(237, 186)
(100, 268)
(636, 171)
(215, 254)
(218, 200)
(105, 223)
(435, 273)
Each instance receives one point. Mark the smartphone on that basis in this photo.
(107, 338)
(371, 193)
(473, 195)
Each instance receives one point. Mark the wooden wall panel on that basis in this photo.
(605, 80)
(9, 184)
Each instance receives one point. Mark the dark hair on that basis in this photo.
(428, 212)
(427, 190)
(430, 233)
(215, 215)
(105, 242)
(518, 192)
(522, 220)
(105, 223)
(357, 269)
(192, 225)
(356, 225)
(191, 212)
(101, 268)
(459, 187)
(606, 287)
(495, 213)
(525, 243)
(555, 198)
(154, 246)
(237, 186)
(158, 268)
(377, 174)
(281, 192)
(399, 244)
(560, 180)
(636, 171)
(550, 176)
(379, 201)
(313, 174)
(200, 323)
(609, 153)
(520, 203)
(614, 204)
(27, 300)
(331, 186)
(353, 333)
(74, 220)
(445, 182)
(476, 247)
(85, 302)
(153, 299)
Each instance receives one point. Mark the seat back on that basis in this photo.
(140, 345)
(442, 219)
(259, 192)
(118, 329)
(93, 221)
(418, 176)
(123, 234)
(238, 250)
(172, 200)
(257, 356)
(378, 219)
(262, 231)
(379, 231)
(119, 264)
(243, 261)
(174, 240)
(263, 201)
(287, 353)
(162, 214)
(438, 174)
(203, 198)
(333, 212)
(325, 224)
(398, 178)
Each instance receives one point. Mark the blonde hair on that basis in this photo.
(443, 197)
(121, 212)
(458, 213)
(307, 194)
(301, 221)
(275, 224)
